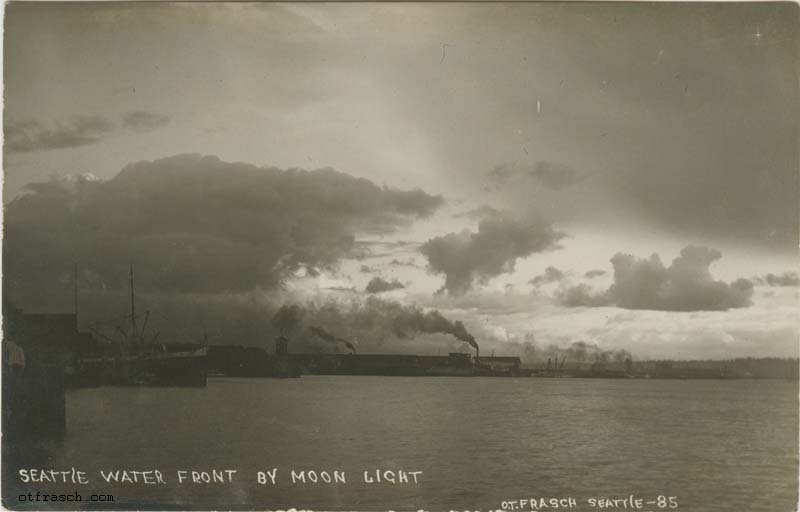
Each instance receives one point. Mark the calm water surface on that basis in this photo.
(715, 445)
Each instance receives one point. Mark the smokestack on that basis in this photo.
(281, 346)
(477, 354)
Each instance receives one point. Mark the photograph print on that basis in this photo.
(485, 256)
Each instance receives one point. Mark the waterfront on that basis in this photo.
(715, 445)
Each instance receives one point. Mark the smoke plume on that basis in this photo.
(581, 351)
(287, 318)
(330, 338)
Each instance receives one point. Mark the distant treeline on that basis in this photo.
(743, 367)
(739, 368)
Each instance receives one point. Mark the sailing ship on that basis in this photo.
(137, 361)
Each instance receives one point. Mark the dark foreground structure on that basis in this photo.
(35, 356)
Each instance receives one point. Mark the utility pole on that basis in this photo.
(75, 294)
(75, 288)
(133, 308)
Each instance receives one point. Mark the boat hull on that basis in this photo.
(179, 369)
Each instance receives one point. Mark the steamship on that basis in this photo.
(137, 362)
(159, 365)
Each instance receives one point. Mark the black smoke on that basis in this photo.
(377, 321)
(288, 318)
(255, 319)
(330, 338)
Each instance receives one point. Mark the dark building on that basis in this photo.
(502, 362)
(453, 364)
(239, 361)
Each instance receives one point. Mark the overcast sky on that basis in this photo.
(559, 135)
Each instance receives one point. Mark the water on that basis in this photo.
(715, 445)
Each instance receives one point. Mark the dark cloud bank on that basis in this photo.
(194, 224)
(469, 257)
(686, 285)
(31, 135)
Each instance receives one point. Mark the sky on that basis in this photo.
(475, 158)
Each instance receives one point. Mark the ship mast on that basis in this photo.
(75, 293)
(133, 308)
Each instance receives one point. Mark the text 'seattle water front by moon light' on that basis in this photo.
(400, 256)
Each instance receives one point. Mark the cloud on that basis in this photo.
(403, 263)
(30, 135)
(686, 285)
(502, 173)
(478, 213)
(551, 275)
(785, 279)
(141, 121)
(549, 175)
(553, 175)
(379, 285)
(767, 328)
(198, 224)
(594, 273)
(468, 257)
(581, 295)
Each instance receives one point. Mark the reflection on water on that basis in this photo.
(715, 445)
